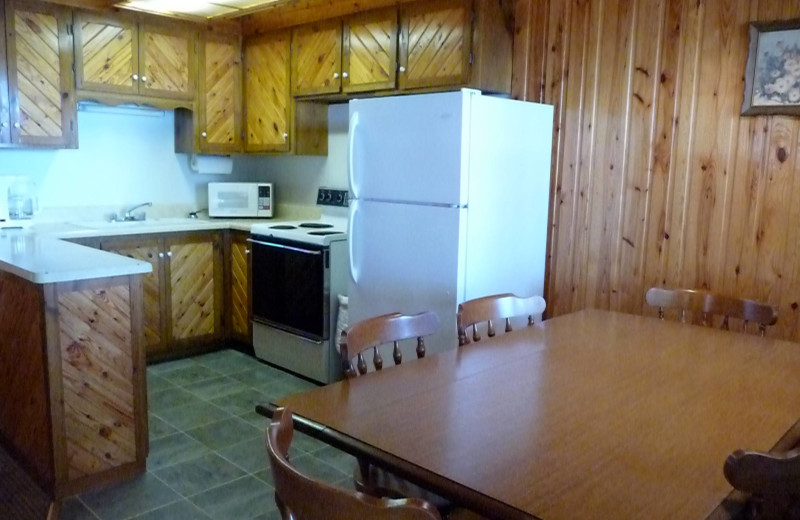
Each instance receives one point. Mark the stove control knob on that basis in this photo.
(327, 196)
(339, 198)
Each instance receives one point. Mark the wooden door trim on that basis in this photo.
(120, 20)
(202, 99)
(336, 85)
(381, 14)
(286, 146)
(68, 107)
(422, 7)
(191, 42)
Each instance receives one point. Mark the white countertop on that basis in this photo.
(38, 254)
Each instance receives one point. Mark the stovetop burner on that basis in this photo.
(315, 225)
(282, 226)
(323, 233)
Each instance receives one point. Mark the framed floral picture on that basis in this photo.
(772, 78)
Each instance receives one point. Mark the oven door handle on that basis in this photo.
(281, 246)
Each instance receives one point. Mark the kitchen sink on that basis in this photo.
(126, 224)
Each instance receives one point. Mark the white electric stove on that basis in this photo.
(299, 269)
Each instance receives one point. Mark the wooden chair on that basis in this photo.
(490, 308)
(389, 328)
(772, 480)
(302, 498)
(709, 304)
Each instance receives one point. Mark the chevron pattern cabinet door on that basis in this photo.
(166, 62)
(370, 51)
(40, 75)
(221, 98)
(95, 335)
(146, 251)
(192, 273)
(435, 44)
(267, 95)
(240, 288)
(5, 133)
(317, 58)
(106, 54)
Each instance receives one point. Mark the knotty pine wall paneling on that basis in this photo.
(657, 179)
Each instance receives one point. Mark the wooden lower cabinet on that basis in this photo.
(183, 310)
(238, 307)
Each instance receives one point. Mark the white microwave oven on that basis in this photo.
(240, 199)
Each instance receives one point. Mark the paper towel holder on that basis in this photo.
(211, 164)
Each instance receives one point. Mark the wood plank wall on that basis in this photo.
(657, 179)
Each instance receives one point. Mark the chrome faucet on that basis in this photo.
(193, 214)
(128, 216)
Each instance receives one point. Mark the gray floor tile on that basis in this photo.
(241, 402)
(340, 460)
(272, 515)
(157, 383)
(190, 374)
(163, 368)
(200, 474)
(170, 398)
(251, 455)
(158, 428)
(255, 419)
(73, 509)
(258, 377)
(241, 499)
(225, 433)
(303, 442)
(181, 510)
(130, 498)
(228, 361)
(173, 449)
(194, 415)
(215, 387)
(313, 467)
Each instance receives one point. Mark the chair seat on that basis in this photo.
(386, 484)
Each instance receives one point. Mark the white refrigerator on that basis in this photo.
(448, 202)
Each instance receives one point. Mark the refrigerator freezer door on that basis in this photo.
(406, 258)
(410, 148)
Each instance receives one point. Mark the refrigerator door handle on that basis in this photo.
(352, 239)
(352, 146)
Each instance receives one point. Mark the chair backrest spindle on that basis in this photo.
(490, 308)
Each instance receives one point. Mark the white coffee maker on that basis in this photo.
(18, 202)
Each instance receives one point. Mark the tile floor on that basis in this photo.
(207, 458)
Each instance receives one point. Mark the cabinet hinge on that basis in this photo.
(70, 30)
(471, 58)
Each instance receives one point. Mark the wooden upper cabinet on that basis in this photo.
(317, 58)
(369, 54)
(435, 44)
(219, 110)
(166, 57)
(268, 100)
(40, 78)
(106, 53)
(5, 125)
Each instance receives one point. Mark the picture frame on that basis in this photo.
(772, 74)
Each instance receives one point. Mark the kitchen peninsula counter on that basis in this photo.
(73, 407)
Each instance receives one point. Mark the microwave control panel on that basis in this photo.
(264, 198)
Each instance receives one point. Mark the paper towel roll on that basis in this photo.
(211, 164)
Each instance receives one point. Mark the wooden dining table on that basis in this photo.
(589, 415)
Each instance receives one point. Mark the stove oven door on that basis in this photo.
(290, 286)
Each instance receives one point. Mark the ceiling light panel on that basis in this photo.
(194, 7)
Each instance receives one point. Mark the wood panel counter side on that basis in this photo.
(73, 407)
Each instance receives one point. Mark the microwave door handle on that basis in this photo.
(281, 246)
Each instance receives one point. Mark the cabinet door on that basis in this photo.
(317, 58)
(370, 51)
(435, 44)
(268, 99)
(40, 78)
(166, 62)
(239, 307)
(147, 250)
(106, 54)
(195, 275)
(220, 100)
(5, 133)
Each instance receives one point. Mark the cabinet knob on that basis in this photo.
(169, 254)
(144, 79)
(3, 125)
(402, 69)
(285, 136)
(204, 134)
(336, 75)
(247, 251)
(17, 125)
(135, 77)
(345, 75)
(161, 255)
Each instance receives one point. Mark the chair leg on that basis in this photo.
(54, 510)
